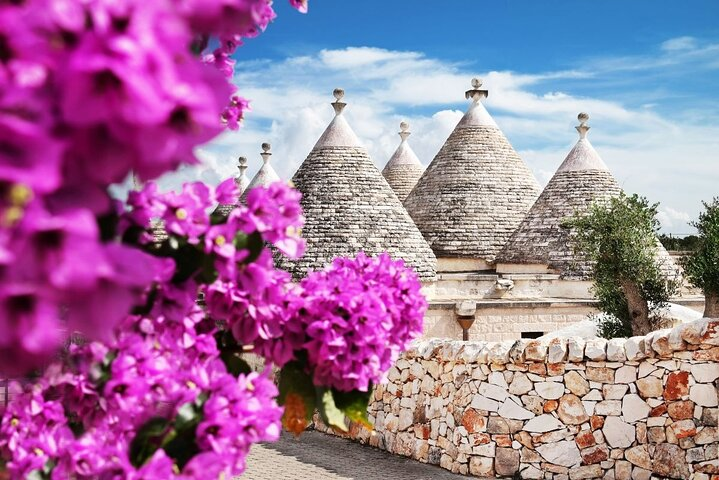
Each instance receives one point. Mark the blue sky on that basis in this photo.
(647, 72)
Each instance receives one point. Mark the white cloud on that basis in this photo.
(679, 43)
(666, 159)
(675, 219)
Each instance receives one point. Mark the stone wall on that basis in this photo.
(503, 320)
(638, 408)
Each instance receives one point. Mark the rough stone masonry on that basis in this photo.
(637, 408)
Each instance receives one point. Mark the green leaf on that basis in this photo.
(331, 415)
(234, 363)
(108, 226)
(147, 440)
(180, 444)
(208, 272)
(188, 260)
(297, 394)
(182, 447)
(187, 416)
(252, 242)
(354, 405)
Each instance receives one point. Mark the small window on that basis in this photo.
(532, 334)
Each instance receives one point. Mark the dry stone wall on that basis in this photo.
(638, 408)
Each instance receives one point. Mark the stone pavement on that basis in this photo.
(317, 456)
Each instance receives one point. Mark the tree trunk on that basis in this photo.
(638, 308)
(711, 305)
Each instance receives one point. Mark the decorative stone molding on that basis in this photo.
(643, 407)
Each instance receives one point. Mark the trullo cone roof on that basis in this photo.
(475, 192)
(581, 180)
(349, 207)
(404, 168)
(242, 182)
(265, 175)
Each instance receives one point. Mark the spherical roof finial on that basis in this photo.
(242, 160)
(476, 82)
(583, 117)
(266, 147)
(338, 93)
(403, 126)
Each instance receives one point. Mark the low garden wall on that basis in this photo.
(638, 408)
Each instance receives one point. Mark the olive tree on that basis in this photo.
(619, 238)
(702, 265)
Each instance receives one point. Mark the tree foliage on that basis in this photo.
(688, 243)
(702, 266)
(619, 238)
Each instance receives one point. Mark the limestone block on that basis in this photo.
(511, 410)
(670, 461)
(639, 456)
(626, 374)
(499, 353)
(472, 352)
(575, 349)
(659, 342)
(614, 392)
(596, 349)
(705, 372)
(557, 351)
(506, 462)
(542, 424)
(481, 466)
(520, 384)
(618, 433)
(634, 408)
(704, 395)
(564, 453)
(608, 407)
(615, 350)
(549, 390)
(634, 348)
(571, 410)
(576, 383)
(480, 402)
(493, 391)
(586, 472)
(650, 387)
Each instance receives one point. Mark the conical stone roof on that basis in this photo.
(265, 175)
(404, 168)
(242, 182)
(349, 207)
(582, 179)
(475, 192)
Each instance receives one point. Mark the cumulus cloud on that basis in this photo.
(671, 160)
(670, 217)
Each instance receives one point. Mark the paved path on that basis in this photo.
(317, 456)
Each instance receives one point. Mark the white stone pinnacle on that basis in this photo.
(266, 154)
(338, 133)
(476, 115)
(338, 104)
(242, 166)
(583, 128)
(477, 93)
(404, 130)
(582, 156)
